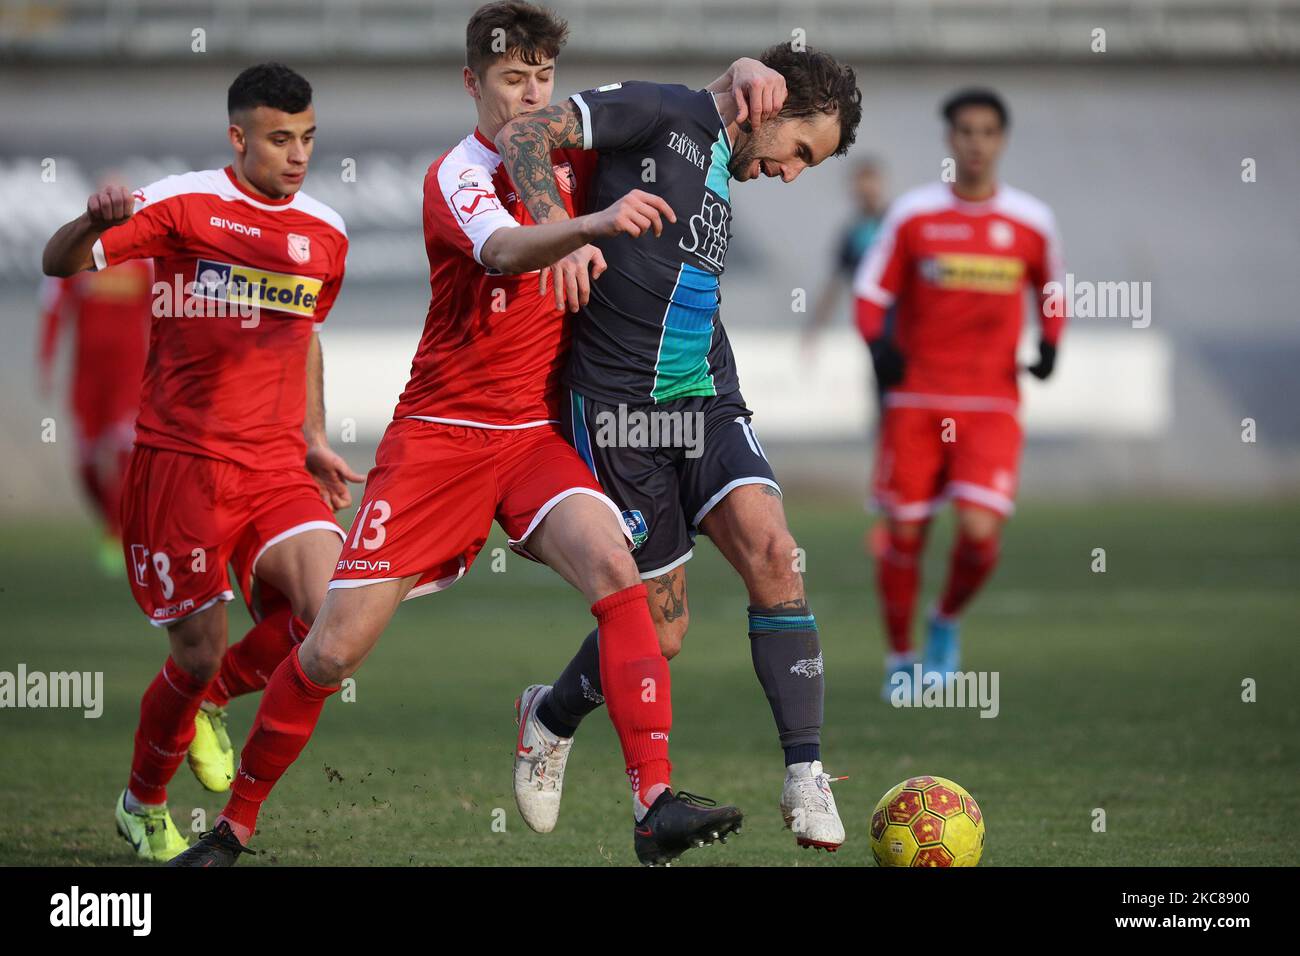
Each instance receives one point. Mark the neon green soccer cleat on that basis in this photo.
(152, 832)
(211, 757)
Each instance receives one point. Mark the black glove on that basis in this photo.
(1046, 361)
(887, 361)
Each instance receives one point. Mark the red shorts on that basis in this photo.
(186, 517)
(435, 488)
(930, 455)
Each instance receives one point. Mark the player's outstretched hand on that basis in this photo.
(635, 214)
(111, 206)
(758, 89)
(332, 475)
(1046, 361)
(572, 277)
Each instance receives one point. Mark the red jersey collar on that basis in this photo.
(478, 135)
(251, 194)
(977, 203)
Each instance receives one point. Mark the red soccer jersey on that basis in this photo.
(219, 382)
(493, 346)
(108, 313)
(956, 272)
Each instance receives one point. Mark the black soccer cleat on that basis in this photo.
(217, 847)
(680, 821)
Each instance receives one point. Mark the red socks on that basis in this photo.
(898, 575)
(971, 564)
(634, 679)
(285, 720)
(247, 666)
(165, 730)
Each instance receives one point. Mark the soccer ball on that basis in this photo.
(927, 821)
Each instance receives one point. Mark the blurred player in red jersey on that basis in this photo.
(473, 439)
(231, 464)
(106, 314)
(954, 262)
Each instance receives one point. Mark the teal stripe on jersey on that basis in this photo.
(682, 367)
(718, 177)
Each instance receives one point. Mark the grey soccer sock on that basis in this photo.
(787, 657)
(576, 692)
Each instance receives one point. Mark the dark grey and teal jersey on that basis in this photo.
(651, 331)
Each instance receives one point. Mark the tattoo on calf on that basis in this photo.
(673, 605)
(794, 604)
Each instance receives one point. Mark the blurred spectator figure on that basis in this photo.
(870, 202)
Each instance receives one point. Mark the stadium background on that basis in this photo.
(1139, 150)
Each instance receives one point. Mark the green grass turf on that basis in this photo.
(1119, 691)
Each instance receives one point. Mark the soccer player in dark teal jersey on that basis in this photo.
(654, 398)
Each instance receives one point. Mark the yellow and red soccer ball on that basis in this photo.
(927, 821)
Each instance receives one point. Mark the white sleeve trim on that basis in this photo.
(866, 283)
(97, 251)
(585, 110)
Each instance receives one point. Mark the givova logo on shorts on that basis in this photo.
(260, 289)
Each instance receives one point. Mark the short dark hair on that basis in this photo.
(529, 31)
(268, 84)
(815, 82)
(975, 96)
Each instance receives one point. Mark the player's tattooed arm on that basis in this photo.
(525, 144)
(670, 600)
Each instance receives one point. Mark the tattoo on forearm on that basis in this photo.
(673, 605)
(526, 153)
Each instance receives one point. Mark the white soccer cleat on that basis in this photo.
(809, 808)
(540, 757)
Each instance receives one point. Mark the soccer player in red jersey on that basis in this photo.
(247, 268)
(954, 261)
(106, 314)
(475, 437)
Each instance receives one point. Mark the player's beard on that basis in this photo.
(742, 159)
(743, 155)
(750, 147)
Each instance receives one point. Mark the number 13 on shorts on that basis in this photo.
(368, 530)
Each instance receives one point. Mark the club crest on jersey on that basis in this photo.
(140, 563)
(1001, 235)
(299, 248)
(564, 177)
(636, 527)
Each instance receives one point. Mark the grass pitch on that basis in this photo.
(1120, 691)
